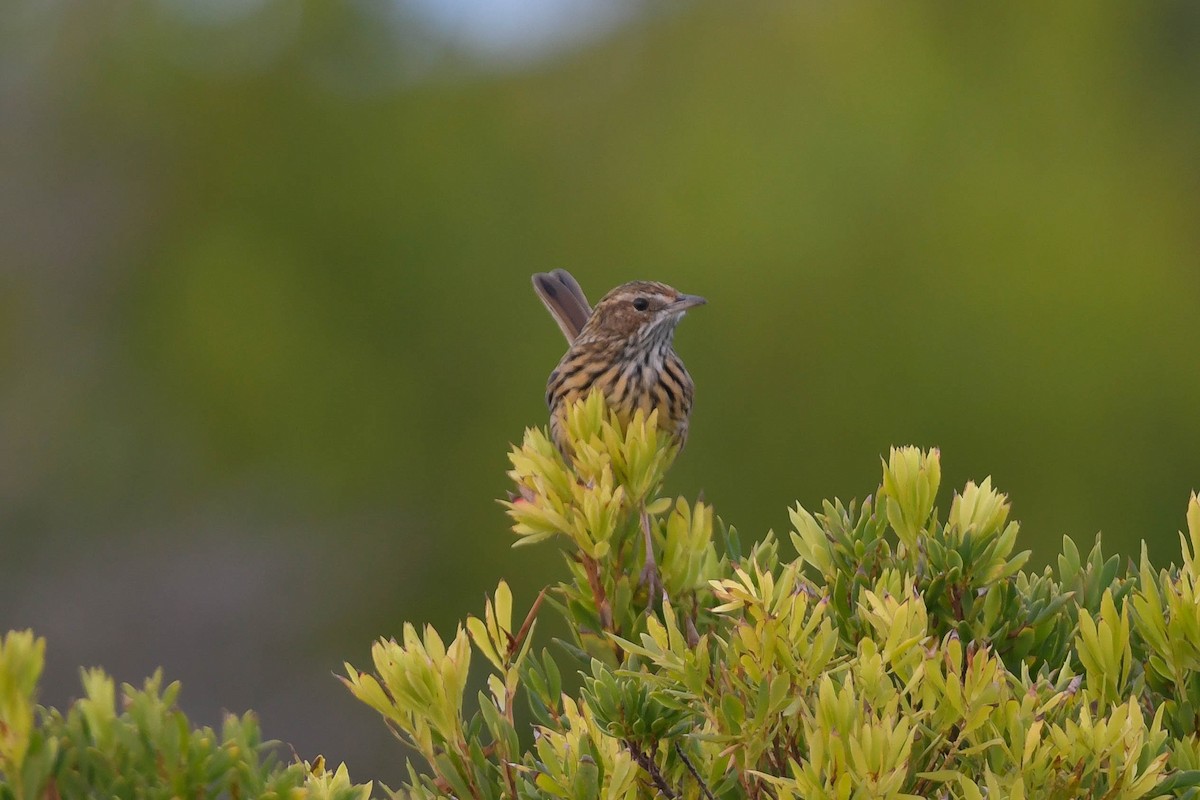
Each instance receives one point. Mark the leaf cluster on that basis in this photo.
(899, 654)
(145, 749)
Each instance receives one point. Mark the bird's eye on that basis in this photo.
(641, 303)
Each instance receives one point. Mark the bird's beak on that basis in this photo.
(686, 301)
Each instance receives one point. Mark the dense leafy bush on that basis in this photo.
(900, 654)
(148, 750)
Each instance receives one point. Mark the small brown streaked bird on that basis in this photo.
(625, 348)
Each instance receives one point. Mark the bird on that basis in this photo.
(624, 347)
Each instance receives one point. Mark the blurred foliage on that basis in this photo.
(281, 254)
(899, 656)
(147, 749)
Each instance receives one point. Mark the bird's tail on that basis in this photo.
(564, 300)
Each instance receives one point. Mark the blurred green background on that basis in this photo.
(266, 329)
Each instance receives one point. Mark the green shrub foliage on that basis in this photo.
(901, 653)
(148, 749)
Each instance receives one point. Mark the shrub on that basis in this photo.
(900, 654)
(148, 750)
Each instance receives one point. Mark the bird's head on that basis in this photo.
(640, 312)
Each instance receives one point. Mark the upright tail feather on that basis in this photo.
(564, 299)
